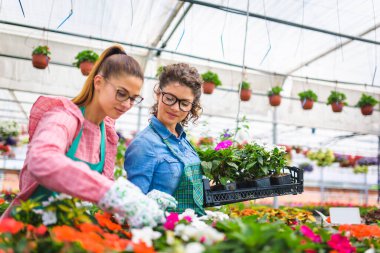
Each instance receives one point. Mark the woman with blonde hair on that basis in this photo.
(73, 143)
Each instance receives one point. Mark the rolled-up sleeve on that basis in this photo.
(49, 165)
(140, 162)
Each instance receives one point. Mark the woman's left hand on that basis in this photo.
(163, 199)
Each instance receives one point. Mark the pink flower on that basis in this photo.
(341, 244)
(187, 218)
(223, 145)
(306, 231)
(171, 220)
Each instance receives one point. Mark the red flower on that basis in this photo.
(171, 220)
(341, 244)
(9, 225)
(306, 231)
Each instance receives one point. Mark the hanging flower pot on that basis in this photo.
(245, 95)
(336, 100)
(86, 67)
(85, 61)
(366, 104)
(337, 106)
(40, 57)
(366, 110)
(246, 92)
(274, 96)
(307, 99)
(208, 87)
(211, 80)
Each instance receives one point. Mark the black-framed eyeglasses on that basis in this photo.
(170, 99)
(122, 95)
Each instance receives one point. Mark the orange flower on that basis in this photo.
(65, 233)
(9, 225)
(88, 227)
(142, 248)
(361, 231)
(328, 220)
(104, 220)
(2, 201)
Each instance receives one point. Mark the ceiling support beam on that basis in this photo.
(280, 21)
(327, 52)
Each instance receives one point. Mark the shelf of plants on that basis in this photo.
(233, 195)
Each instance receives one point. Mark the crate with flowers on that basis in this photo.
(236, 172)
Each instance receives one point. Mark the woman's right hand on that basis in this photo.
(127, 201)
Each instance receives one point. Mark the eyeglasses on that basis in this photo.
(122, 95)
(169, 99)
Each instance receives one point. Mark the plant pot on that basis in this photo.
(86, 67)
(40, 61)
(208, 88)
(262, 182)
(275, 100)
(245, 94)
(218, 187)
(245, 184)
(337, 106)
(367, 110)
(307, 104)
(281, 179)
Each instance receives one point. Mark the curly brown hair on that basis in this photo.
(186, 76)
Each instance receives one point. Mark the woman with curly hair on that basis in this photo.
(160, 157)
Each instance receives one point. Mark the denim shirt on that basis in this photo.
(151, 165)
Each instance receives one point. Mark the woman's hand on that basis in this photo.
(127, 201)
(163, 199)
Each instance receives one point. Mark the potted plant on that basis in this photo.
(245, 93)
(336, 100)
(277, 163)
(274, 96)
(219, 165)
(211, 80)
(307, 99)
(85, 60)
(366, 104)
(40, 57)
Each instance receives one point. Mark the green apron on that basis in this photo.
(42, 193)
(189, 192)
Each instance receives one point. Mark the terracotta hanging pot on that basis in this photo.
(208, 87)
(337, 106)
(86, 67)
(245, 94)
(274, 100)
(307, 104)
(367, 110)
(40, 61)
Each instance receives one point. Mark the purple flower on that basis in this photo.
(223, 145)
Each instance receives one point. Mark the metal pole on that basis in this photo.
(322, 185)
(274, 134)
(242, 69)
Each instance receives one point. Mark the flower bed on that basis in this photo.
(64, 224)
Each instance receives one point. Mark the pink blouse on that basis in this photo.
(53, 125)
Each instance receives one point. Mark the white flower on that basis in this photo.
(198, 231)
(49, 218)
(194, 247)
(214, 216)
(146, 234)
(188, 212)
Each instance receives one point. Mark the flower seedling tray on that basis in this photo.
(223, 197)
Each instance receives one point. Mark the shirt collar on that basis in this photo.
(163, 131)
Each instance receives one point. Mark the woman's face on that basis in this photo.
(115, 93)
(170, 115)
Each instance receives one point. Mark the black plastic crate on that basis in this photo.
(223, 197)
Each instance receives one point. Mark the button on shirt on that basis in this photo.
(151, 165)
